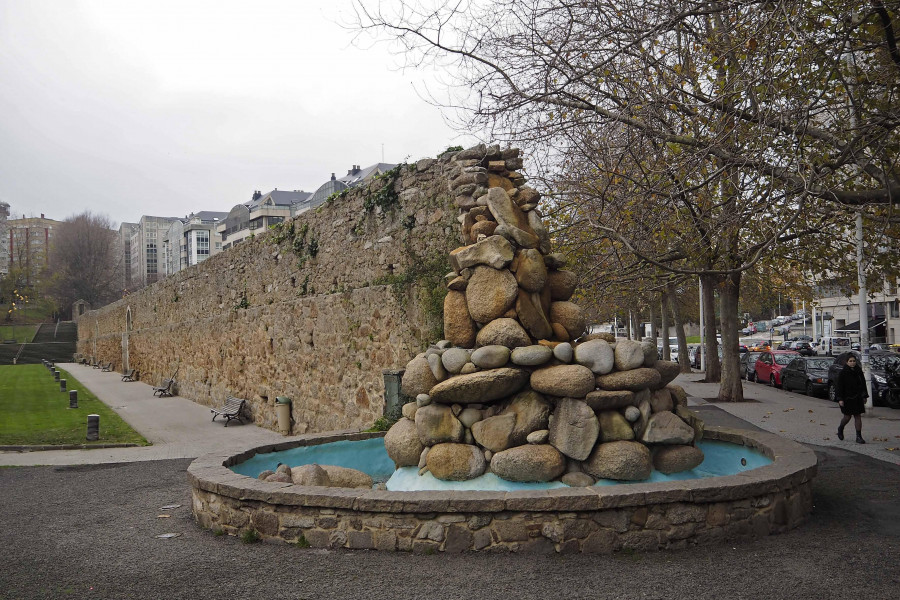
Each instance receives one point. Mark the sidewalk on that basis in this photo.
(180, 428)
(801, 418)
(177, 427)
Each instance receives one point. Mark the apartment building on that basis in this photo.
(191, 240)
(26, 243)
(148, 257)
(257, 215)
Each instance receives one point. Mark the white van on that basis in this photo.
(832, 346)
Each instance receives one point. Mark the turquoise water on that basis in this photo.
(370, 457)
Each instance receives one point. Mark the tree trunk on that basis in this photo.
(713, 365)
(664, 325)
(653, 334)
(731, 388)
(679, 332)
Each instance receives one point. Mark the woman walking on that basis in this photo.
(851, 395)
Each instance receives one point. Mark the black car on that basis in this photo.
(748, 364)
(809, 374)
(804, 348)
(879, 363)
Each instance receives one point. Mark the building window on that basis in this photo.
(202, 243)
(895, 309)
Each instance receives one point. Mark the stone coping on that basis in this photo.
(792, 466)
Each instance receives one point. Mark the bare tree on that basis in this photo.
(85, 262)
(694, 134)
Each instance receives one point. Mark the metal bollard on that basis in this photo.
(73, 398)
(93, 428)
(55, 375)
(62, 385)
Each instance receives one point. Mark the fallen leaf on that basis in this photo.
(891, 449)
(810, 411)
(163, 516)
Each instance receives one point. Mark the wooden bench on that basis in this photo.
(129, 375)
(231, 410)
(165, 389)
(108, 367)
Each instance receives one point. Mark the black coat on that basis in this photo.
(851, 388)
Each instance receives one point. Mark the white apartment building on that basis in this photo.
(192, 240)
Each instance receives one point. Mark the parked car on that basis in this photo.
(833, 346)
(809, 374)
(748, 364)
(888, 347)
(769, 364)
(881, 362)
(759, 346)
(804, 348)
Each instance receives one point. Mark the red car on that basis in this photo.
(769, 364)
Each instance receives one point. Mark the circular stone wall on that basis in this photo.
(636, 516)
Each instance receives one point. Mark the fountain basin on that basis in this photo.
(605, 518)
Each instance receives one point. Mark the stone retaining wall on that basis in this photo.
(314, 311)
(642, 517)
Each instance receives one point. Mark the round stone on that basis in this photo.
(574, 381)
(531, 356)
(490, 293)
(503, 332)
(454, 359)
(538, 437)
(632, 414)
(596, 355)
(490, 357)
(564, 352)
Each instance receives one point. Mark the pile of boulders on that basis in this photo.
(517, 388)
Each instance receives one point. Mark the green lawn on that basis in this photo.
(23, 334)
(34, 412)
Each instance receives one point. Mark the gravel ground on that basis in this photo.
(89, 532)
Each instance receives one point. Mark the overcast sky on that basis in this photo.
(131, 107)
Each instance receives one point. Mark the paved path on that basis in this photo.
(177, 427)
(180, 428)
(802, 418)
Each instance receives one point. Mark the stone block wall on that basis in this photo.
(313, 310)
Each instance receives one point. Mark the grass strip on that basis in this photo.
(34, 411)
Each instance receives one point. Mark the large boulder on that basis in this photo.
(531, 273)
(532, 412)
(311, 474)
(480, 387)
(596, 355)
(490, 293)
(459, 327)
(403, 444)
(495, 252)
(531, 314)
(621, 461)
(668, 371)
(691, 418)
(667, 428)
(511, 218)
(490, 357)
(562, 284)
(679, 396)
(573, 381)
(532, 462)
(651, 355)
(642, 400)
(417, 378)
(661, 401)
(455, 462)
(531, 356)
(454, 359)
(436, 423)
(537, 225)
(614, 427)
(574, 428)
(600, 400)
(629, 355)
(495, 433)
(634, 380)
(675, 459)
(347, 478)
(504, 332)
(570, 316)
